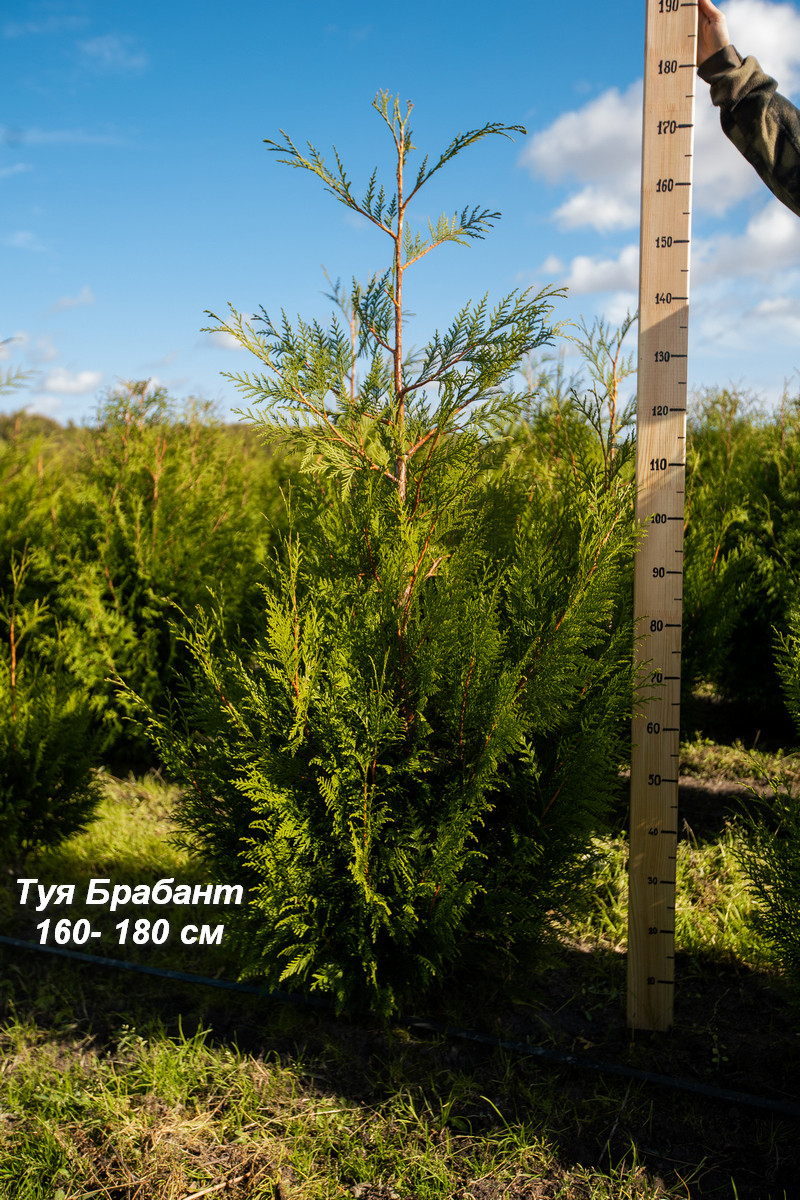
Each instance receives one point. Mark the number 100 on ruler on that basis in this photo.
(667, 147)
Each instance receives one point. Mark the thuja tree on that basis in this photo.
(769, 849)
(728, 614)
(407, 765)
(574, 441)
(48, 787)
(742, 558)
(161, 502)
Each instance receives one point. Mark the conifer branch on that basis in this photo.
(405, 599)
(462, 709)
(457, 230)
(244, 333)
(552, 799)
(459, 143)
(371, 559)
(13, 643)
(397, 297)
(436, 434)
(315, 163)
(434, 898)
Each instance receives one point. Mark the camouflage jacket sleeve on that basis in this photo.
(764, 126)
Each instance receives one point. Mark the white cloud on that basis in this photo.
(166, 359)
(773, 236)
(34, 136)
(598, 146)
(113, 53)
(23, 239)
(599, 208)
(44, 350)
(71, 383)
(721, 176)
(50, 25)
(17, 169)
(84, 297)
(221, 340)
(776, 306)
(596, 274)
(771, 32)
(770, 243)
(594, 143)
(618, 307)
(44, 405)
(551, 266)
(779, 314)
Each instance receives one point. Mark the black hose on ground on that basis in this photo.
(423, 1025)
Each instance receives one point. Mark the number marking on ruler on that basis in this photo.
(667, 147)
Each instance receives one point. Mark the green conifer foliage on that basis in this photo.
(120, 521)
(47, 786)
(770, 849)
(160, 505)
(48, 789)
(742, 553)
(407, 764)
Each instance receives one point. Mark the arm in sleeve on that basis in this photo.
(762, 125)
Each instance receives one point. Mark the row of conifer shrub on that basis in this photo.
(106, 528)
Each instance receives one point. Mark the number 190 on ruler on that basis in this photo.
(667, 148)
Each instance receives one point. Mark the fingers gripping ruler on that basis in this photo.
(667, 147)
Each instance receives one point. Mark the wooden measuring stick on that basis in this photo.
(667, 147)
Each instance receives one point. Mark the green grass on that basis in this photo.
(111, 1088)
(703, 758)
(170, 1116)
(714, 909)
(129, 839)
(131, 842)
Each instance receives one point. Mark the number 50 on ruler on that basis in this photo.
(667, 147)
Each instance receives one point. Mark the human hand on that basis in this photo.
(712, 31)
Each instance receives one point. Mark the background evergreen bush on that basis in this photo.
(770, 849)
(742, 549)
(48, 788)
(142, 511)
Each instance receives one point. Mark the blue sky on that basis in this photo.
(137, 191)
